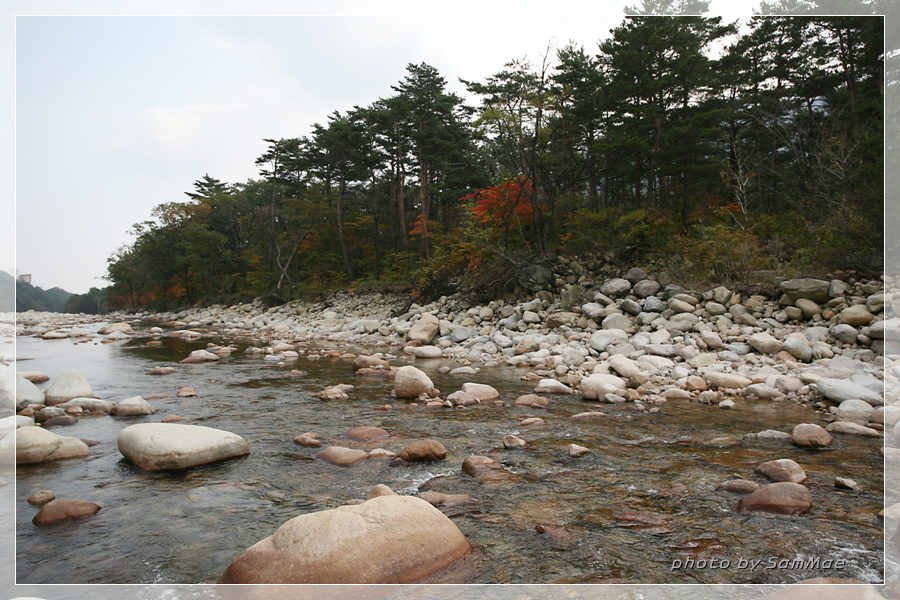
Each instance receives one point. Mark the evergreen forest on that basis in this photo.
(678, 142)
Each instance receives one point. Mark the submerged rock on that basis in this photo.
(388, 539)
(785, 498)
(64, 509)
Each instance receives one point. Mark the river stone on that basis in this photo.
(809, 435)
(798, 348)
(427, 352)
(856, 315)
(40, 376)
(615, 288)
(598, 385)
(37, 445)
(70, 384)
(481, 391)
(552, 386)
(89, 404)
(646, 287)
(847, 334)
(678, 306)
(199, 356)
(423, 451)
(486, 470)
(388, 539)
(132, 407)
(765, 343)
(461, 334)
(424, 329)
(340, 456)
(410, 382)
(111, 327)
(783, 469)
(726, 380)
(814, 289)
(64, 509)
(172, 446)
(808, 309)
(624, 366)
(367, 361)
(365, 433)
(27, 393)
(785, 498)
(600, 340)
(41, 497)
(855, 411)
(576, 451)
(532, 401)
(839, 390)
(535, 277)
(852, 429)
(738, 486)
(763, 392)
(769, 435)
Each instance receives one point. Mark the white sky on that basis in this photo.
(112, 115)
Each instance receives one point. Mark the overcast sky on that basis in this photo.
(115, 114)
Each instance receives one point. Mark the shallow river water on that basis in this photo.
(186, 527)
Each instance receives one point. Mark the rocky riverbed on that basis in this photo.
(629, 343)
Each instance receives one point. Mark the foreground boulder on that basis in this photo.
(37, 445)
(170, 446)
(388, 539)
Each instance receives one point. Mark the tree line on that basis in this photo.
(678, 139)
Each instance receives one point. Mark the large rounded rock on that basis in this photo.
(809, 435)
(600, 340)
(424, 329)
(783, 469)
(481, 391)
(856, 315)
(37, 445)
(70, 384)
(615, 287)
(598, 385)
(112, 327)
(388, 539)
(64, 509)
(170, 446)
(784, 498)
(410, 382)
(423, 451)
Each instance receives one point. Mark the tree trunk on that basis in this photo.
(340, 223)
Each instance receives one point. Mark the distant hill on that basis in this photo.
(29, 297)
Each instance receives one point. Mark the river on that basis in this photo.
(166, 530)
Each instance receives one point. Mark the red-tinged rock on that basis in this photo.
(738, 486)
(423, 451)
(340, 456)
(365, 433)
(63, 509)
(784, 498)
(388, 539)
(532, 401)
(783, 469)
(308, 440)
